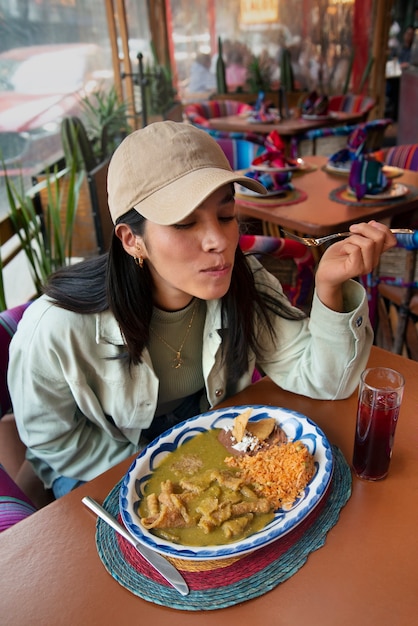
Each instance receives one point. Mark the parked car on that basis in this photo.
(39, 86)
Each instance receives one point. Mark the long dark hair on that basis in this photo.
(114, 281)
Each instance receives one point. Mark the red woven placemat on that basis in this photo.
(247, 577)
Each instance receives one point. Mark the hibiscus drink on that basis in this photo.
(380, 396)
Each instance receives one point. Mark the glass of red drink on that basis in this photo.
(379, 402)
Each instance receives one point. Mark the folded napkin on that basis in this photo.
(261, 101)
(273, 181)
(315, 104)
(262, 117)
(274, 155)
(261, 113)
(354, 149)
(367, 177)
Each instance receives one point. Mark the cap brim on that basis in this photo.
(175, 201)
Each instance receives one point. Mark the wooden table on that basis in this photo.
(290, 127)
(318, 214)
(365, 574)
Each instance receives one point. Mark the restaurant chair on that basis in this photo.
(295, 270)
(375, 130)
(199, 113)
(352, 103)
(404, 156)
(14, 504)
(103, 225)
(9, 320)
(239, 152)
(393, 298)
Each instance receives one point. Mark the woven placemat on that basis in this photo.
(341, 195)
(291, 197)
(248, 577)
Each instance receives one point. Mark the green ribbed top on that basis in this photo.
(171, 326)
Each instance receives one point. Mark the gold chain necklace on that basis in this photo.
(178, 361)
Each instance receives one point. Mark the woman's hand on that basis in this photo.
(349, 258)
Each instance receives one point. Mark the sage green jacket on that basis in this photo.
(80, 411)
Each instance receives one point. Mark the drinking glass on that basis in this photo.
(379, 402)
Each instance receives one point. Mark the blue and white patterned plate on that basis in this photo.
(296, 427)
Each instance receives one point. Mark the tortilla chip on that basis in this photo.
(262, 429)
(240, 425)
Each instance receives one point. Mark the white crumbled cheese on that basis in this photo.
(248, 442)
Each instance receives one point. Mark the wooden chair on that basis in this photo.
(92, 226)
(393, 297)
(103, 225)
(296, 267)
(375, 130)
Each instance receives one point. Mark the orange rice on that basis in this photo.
(278, 473)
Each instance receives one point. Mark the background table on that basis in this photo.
(365, 574)
(290, 127)
(320, 215)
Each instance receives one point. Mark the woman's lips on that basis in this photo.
(218, 270)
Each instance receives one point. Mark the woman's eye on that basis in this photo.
(183, 226)
(227, 218)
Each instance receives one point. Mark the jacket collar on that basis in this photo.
(107, 329)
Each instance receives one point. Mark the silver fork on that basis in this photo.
(314, 242)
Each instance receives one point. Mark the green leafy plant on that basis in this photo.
(46, 238)
(160, 93)
(259, 74)
(106, 121)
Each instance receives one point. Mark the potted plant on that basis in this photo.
(259, 74)
(106, 122)
(44, 237)
(158, 89)
(93, 139)
(65, 227)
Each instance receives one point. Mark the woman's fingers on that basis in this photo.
(377, 232)
(356, 255)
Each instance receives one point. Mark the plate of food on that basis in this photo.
(272, 193)
(391, 193)
(202, 490)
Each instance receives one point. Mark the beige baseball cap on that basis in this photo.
(167, 169)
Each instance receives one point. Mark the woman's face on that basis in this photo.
(194, 257)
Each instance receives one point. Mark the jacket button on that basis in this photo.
(359, 321)
(218, 392)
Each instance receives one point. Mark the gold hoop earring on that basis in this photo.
(139, 261)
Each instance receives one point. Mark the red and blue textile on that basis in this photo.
(300, 292)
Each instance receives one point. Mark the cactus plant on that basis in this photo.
(220, 70)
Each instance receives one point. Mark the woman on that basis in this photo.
(174, 318)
